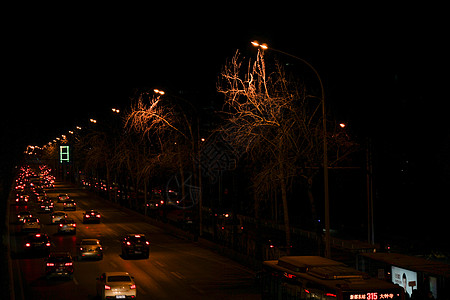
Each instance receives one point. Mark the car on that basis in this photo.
(67, 226)
(135, 244)
(22, 215)
(46, 206)
(116, 285)
(63, 198)
(59, 264)
(31, 224)
(22, 199)
(70, 205)
(90, 248)
(37, 243)
(90, 216)
(57, 217)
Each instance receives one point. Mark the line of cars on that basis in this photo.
(60, 264)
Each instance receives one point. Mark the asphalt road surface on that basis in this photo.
(176, 269)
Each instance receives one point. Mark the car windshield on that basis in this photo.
(59, 259)
(119, 278)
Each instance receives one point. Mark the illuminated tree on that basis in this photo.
(167, 128)
(272, 118)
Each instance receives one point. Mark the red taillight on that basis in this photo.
(98, 216)
(38, 235)
(147, 243)
(87, 216)
(330, 295)
(50, 264)
(48, 244)
(128, 243)
(107, 287)
(68, 264)
(27, 245)
(61, 225)
(74, 225)
(132, 286)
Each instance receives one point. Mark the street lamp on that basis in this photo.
(93, 121)
(264, 46)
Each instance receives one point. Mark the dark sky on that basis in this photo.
(68, 66)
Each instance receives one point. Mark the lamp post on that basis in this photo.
(325, 151)
(196, 149)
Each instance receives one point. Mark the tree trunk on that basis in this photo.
(287, 227)
(317, 227)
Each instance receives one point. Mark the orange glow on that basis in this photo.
(262, 46)
(342, 125)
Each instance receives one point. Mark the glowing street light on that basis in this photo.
(159, 92)
(116, 110)
(93, 121)
(342, 125)
(262, 46)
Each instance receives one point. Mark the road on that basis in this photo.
(176, 269)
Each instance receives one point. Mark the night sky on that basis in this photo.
(383, 69)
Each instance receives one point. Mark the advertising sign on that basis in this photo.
(405, 278)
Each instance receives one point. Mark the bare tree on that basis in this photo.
(276, 122)
(167, 128)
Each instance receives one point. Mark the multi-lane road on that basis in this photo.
(176, 268)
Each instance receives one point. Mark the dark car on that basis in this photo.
(59, 264)
(91, 216)
(22, 199)
(63, 198)
(46, 206)
(136, 245)
(70, 205)
(37, 243)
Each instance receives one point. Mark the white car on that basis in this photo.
(67, 226)
(58, 217)
(116, 285)
(90, 248)
(31, 224)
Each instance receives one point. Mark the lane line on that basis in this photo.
(178, 275)
(197, 289)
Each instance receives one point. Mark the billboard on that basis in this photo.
(405, 278)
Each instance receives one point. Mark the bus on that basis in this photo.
(315, 277)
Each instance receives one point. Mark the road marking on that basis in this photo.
(178, 275)
(197, 289)
(162, 265)
(113, 264)
(75, 281)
